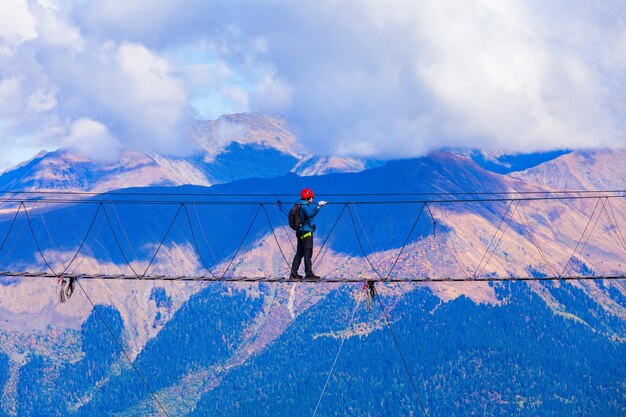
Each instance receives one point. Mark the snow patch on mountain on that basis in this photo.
(320, 165)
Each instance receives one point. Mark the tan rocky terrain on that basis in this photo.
(519, 239)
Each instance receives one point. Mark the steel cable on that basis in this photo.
(163, 240)
(195, 242)
(267, 216)
(506, 227)
(328, 235)
(534, 240)
(132, 364)
(256, 214)
(406, 367)
(582, 249)
(206, 240)
(332, 368)
(117, 242)
(581, 237)
(492, 239)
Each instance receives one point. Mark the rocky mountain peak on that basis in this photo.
(232, 147)
(247, 129)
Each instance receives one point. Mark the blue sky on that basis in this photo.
(354, 77)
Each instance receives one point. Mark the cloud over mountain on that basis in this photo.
(357, 77)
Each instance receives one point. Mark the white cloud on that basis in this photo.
(10, 95)
(92, 139)
(63, 75)
(126, 86)
(355, 77)
(17, 24)
(152, 100)
(406, 79)
(515, 90)
(271, 95)
(57, 32)
(42, 101)
(226, 132)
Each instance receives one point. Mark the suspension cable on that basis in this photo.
(595, 195)
(581, 237)
(209, 193)
(132, 364)
(343, 340)
(406, 367)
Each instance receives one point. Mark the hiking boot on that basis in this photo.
(295, 276)
(312, 277)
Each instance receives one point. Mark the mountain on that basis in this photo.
(316, 165)
(580, 170)
(230, 148)
(547, 349)
(504, 163)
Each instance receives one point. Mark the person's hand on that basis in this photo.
(322, 203)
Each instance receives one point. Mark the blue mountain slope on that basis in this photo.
(60, 170)
(75, 175)
(226, 224)
(45, 388)
(240, 161)
(518, 358)
(204, 332)
(4, 376)
(466, 359)
(11, 178)
(505, 164)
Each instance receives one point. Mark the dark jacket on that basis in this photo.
(307, 212)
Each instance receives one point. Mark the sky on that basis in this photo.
(363, 78)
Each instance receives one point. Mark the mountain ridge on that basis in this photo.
(254, 331)
(232, 147)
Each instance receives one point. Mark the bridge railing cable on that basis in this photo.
(573, 255)
(176, 200)
(495, 247)
(6, 236)
(32, 232)
(195, 242)
(321, 250)
(210, 193)
(492, 239)
(256, 214)
(170, 249)
(280, 249)
(616, 224)
(515, 205)
(117, 241)
(206, 240)
(451, 247)
(180, 206)
(582, 249)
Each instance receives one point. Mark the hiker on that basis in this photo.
(304, 210)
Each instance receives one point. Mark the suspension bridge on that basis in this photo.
(23, 203)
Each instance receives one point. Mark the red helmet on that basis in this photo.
(306, 193)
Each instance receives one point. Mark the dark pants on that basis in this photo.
(305, 249)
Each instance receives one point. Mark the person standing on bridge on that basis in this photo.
(300, 218)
